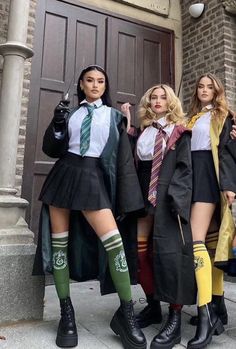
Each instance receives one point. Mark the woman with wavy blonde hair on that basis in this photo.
(165, 253)
(174, 111)
(213, 192)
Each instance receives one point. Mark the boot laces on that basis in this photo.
(131, 317)
(67, 312)
(169, 326)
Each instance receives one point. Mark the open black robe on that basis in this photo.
(173, 253)
(86, 254)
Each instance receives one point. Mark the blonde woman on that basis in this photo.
(213, 192)
(165, 254)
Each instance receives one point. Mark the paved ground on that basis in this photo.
(93, 314)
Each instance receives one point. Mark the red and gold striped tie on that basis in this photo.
(156, 163)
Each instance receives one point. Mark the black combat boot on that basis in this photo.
(67, 333)
(218, 305)
(125, 325)
(151, 314)
(170, 334)
(208, 324)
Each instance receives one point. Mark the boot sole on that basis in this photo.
(165, 345)
(127, 343)
(217, 329)
(67, 341)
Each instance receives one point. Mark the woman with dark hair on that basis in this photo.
(213, 193)
(86, 189)
(106, 99)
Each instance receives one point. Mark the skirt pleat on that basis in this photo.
(76, 183)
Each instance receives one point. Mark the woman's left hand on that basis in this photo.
(229, 196)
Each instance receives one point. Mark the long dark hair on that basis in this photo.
(106, 99)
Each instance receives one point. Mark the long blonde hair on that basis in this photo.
(174, 112)
(219, 100)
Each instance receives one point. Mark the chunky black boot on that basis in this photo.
(125, 325)
(67, 333)
(170, 334)
(218, 305)
(151, 314)
(208, 324)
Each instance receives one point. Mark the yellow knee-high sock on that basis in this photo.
(217, 280)
(203, 272)
(217, 274)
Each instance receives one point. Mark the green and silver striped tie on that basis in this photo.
(85, 130)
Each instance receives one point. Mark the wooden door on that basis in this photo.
(138, 58)
(68, 38)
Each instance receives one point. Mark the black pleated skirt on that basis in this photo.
(76, 183)
(144, 175)
(205, 184)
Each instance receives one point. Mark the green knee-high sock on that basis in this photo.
(60, 264)
(117, 263)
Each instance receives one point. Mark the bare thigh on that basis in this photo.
(102, 221)
(145, 225)
(59, 218)
(201, 215)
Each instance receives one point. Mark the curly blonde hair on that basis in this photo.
(219, 100)
(174, 112)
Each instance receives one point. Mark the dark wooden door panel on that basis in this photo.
(68, 38)
(54, 59)
(138, 57)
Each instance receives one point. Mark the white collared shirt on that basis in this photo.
(146, 141)
(99, 133)
(201, 131)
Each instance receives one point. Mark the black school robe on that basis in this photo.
(86, 254)
(173, 253)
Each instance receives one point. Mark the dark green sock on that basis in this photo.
(60, 264)
(117, 264)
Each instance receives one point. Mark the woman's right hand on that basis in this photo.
(233, 132)
(125, 109)
(61, 111)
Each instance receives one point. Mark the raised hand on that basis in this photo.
(61, 111)
(233, 132)
(125, 109)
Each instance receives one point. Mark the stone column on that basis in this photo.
(21, 294)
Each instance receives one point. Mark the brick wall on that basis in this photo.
(209, 45)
